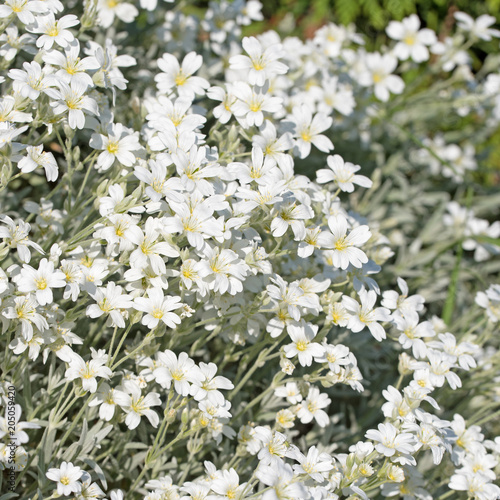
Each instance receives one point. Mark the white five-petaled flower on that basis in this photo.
(135, 405)
(180, 76)
(37, 157)
(41, 281)
(223, 270)
(312, 408)
(71, 99)
(181, 371)
(412, 41)
(478, 28)
(365, 315)
(15, 235)
(158, 308)
(390, 441)
(108, 9)
(343, 174)
(315, 464)
(378, 73)
(118, 144)
(110, 301)
(87, 371)
(261, 64)
(307, 130)
(32, 80)
(210, 385)
(72, 67)
(22, 9)
(67, 478)
(252, 102)
(281, 480)
(344, 246)
(52, 30)
(302, 335)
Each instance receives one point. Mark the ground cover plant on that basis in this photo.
(247, 266)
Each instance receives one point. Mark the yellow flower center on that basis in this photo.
(301, 345)
(306, 136)
(258, 65)
(65, 480)
(409, 39)
(41, 283)
(54, 31)
(157, 313)
(341, 244)
(255, 107)
(113, 147)
(180, 79)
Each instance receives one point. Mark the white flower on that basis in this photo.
(274, 446)
(223, 270)
(413, 332)
(118, 144)
(315, 464)
(41, 281)
(227, 485)
(365, 315)
(149, 250)
(72, 67)
(13, 43)
(290, 214)
(11, 427)
(312, 408)
(478, 28)
(345, 246)
(390, 441)
(180, 76)
(280, 479)
(477, 484)
(104, 397)
(379, 69)
(22, 9)
(252, 102)
(307, 130)
(107, 11)
(490, 300)
(158, 308)
(53, 30)
(412, 41)
(401, 302)
(302, 335)
(210, 385)
(32, 80)
(343, 174)
(136, 405)
(67, 478)
(37, 157)
(290, 391)
(15, 235)
(71, 99)
(110, 301)
(23, 309)
(273, 147)
(87, 371)
(180, 370)
(261, 64)
(223, 111)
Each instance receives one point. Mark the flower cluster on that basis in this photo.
(162, 256)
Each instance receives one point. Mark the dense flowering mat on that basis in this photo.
(203, 295)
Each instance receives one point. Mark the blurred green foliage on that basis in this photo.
(370, 16)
